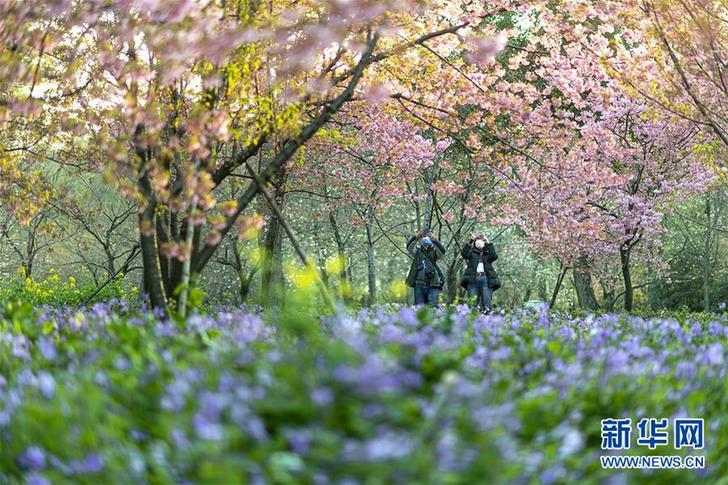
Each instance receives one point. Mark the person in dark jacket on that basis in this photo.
(424, 274)
(480, 278)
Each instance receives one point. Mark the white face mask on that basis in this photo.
(480, 244)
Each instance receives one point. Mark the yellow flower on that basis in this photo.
(77, 321)
(335, 265)
(399, 289)
(303, 277)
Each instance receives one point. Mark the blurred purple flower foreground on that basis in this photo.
(388, 395)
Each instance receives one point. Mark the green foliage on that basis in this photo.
(220, 401)
(688, 295)
(55, 290)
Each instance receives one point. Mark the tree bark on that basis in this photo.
(429, 176)
(371, 268)
(30, 252)
(177, 233)
(153, 284)
(707, 256)
(245, 278)
(542, 290)
(624, 254)
(583, 285)
(322, 266)
(148, 230)
(344, 280)
(165, 263)
(453, 279)
(557, 287)
(609, 298)
(272, 274)
(531, 282)
(186, 266)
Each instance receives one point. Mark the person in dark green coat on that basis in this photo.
(424, 275)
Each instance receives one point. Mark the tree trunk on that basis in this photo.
(531, 282)
(177, 233)
(557, 287)
(416, 204)
(453, 280)
(30, 250)
(148, 230)
(371, 268)
(165, 263)
(110, 258)
(350, 278)
(542, 290)
(429, 176)
(186, 265)
(344, 277)
(153, 284)
(609, 299)
(245, 278)
(624, 254)
(322, 265)
(245, 281)
(142, 287)
(583, 285)
(272, 274)
(707, 255)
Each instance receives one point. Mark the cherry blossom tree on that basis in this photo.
(541, 126)
(32, 91)
(197, 90)
(544, 105)
(368, 164)
(672, 54)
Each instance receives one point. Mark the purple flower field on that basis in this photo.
(387, 395)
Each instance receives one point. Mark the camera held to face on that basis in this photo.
(480, 241)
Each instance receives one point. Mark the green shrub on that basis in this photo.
(58, 291)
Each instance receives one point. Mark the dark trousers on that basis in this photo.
(426, 294)
(483, 293)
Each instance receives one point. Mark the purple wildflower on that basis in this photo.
(33, 458)
(35, 478)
